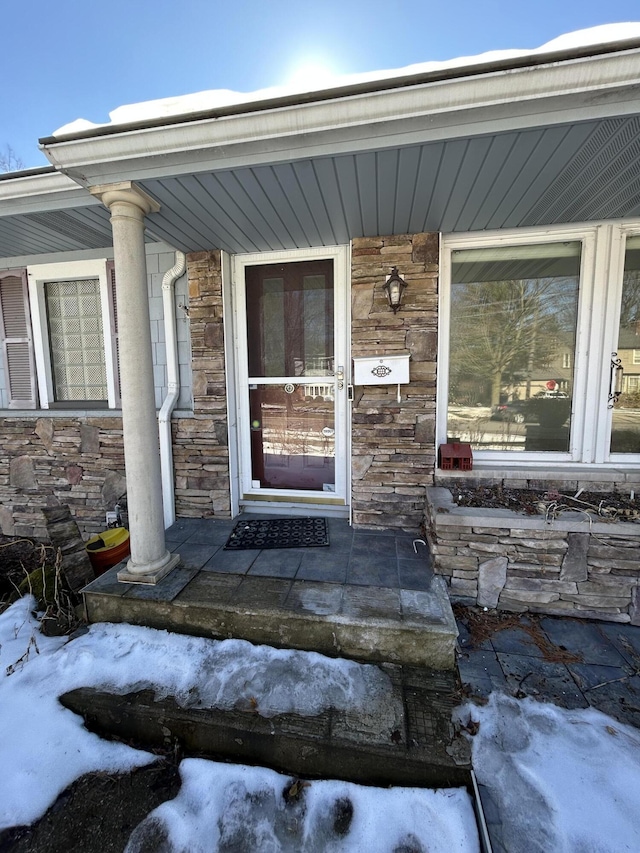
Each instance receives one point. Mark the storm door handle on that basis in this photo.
(339, 375)
(615, 380)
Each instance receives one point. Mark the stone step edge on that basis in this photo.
(275, 742)
(431, 645)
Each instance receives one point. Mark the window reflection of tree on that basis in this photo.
(624, 435)
(503, 330)
(290, 319)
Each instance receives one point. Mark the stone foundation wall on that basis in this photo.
(504, 560)
(54, 461)
(393, 450)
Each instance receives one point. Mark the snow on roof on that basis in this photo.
(219, 98)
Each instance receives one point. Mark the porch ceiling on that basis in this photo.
(565, 173)
(542, 176)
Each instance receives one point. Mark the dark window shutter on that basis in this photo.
(113, 319)
(17, 340)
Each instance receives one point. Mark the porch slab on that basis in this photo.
(283, 603)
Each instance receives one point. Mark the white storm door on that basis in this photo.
(292, 382)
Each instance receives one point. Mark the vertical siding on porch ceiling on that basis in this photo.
(393, 450)
(200, 446)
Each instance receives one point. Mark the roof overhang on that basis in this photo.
(472, 102)
(550, 139)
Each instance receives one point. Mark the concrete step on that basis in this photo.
(403, 626)
(410, 742)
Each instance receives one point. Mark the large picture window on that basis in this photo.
(512, 338)
(625, 426)
(539, 335)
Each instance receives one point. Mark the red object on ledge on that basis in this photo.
(455, 457)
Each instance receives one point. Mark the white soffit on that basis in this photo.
(581, 172)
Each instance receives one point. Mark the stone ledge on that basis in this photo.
(417, 630)
(443, 512)
(518, 476)
(422, 748)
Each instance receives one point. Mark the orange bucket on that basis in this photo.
(107, 549)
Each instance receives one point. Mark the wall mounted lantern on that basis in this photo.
(394, 288)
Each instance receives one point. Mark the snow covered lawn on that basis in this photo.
(561, 780)
(229, 807)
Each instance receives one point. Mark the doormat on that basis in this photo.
(278, 533)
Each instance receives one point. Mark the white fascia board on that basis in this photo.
(35, 193)
(557, 93)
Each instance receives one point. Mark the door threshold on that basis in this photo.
(268, 506)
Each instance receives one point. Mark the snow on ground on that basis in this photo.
(562, 780)
(230, 807)
(45, 747)
(201, 673)
(219, 98)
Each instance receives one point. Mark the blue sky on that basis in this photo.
(82, 58)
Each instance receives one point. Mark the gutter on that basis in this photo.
(27, 173)
(173, 387)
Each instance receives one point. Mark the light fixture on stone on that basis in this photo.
(394, 288)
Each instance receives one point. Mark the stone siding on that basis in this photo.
(54, 461)
(200, 444)
(393, 444)
(504, 560)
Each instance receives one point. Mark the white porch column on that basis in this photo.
(150, 560)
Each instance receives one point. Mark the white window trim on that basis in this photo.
(38, 275)
(602, 260)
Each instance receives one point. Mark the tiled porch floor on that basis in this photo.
(354, 557)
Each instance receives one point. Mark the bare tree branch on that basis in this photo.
(9, 160)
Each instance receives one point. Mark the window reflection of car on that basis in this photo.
(552, 395)
(513, 410)
(547, 408)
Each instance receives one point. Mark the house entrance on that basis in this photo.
(291, 382)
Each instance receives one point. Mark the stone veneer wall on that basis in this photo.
(393, 449)
(52, 461)
(200, 444)
(505, 560)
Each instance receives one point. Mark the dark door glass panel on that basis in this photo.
(290, 319)
(292, 436)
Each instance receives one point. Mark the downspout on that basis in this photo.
(173, 387)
